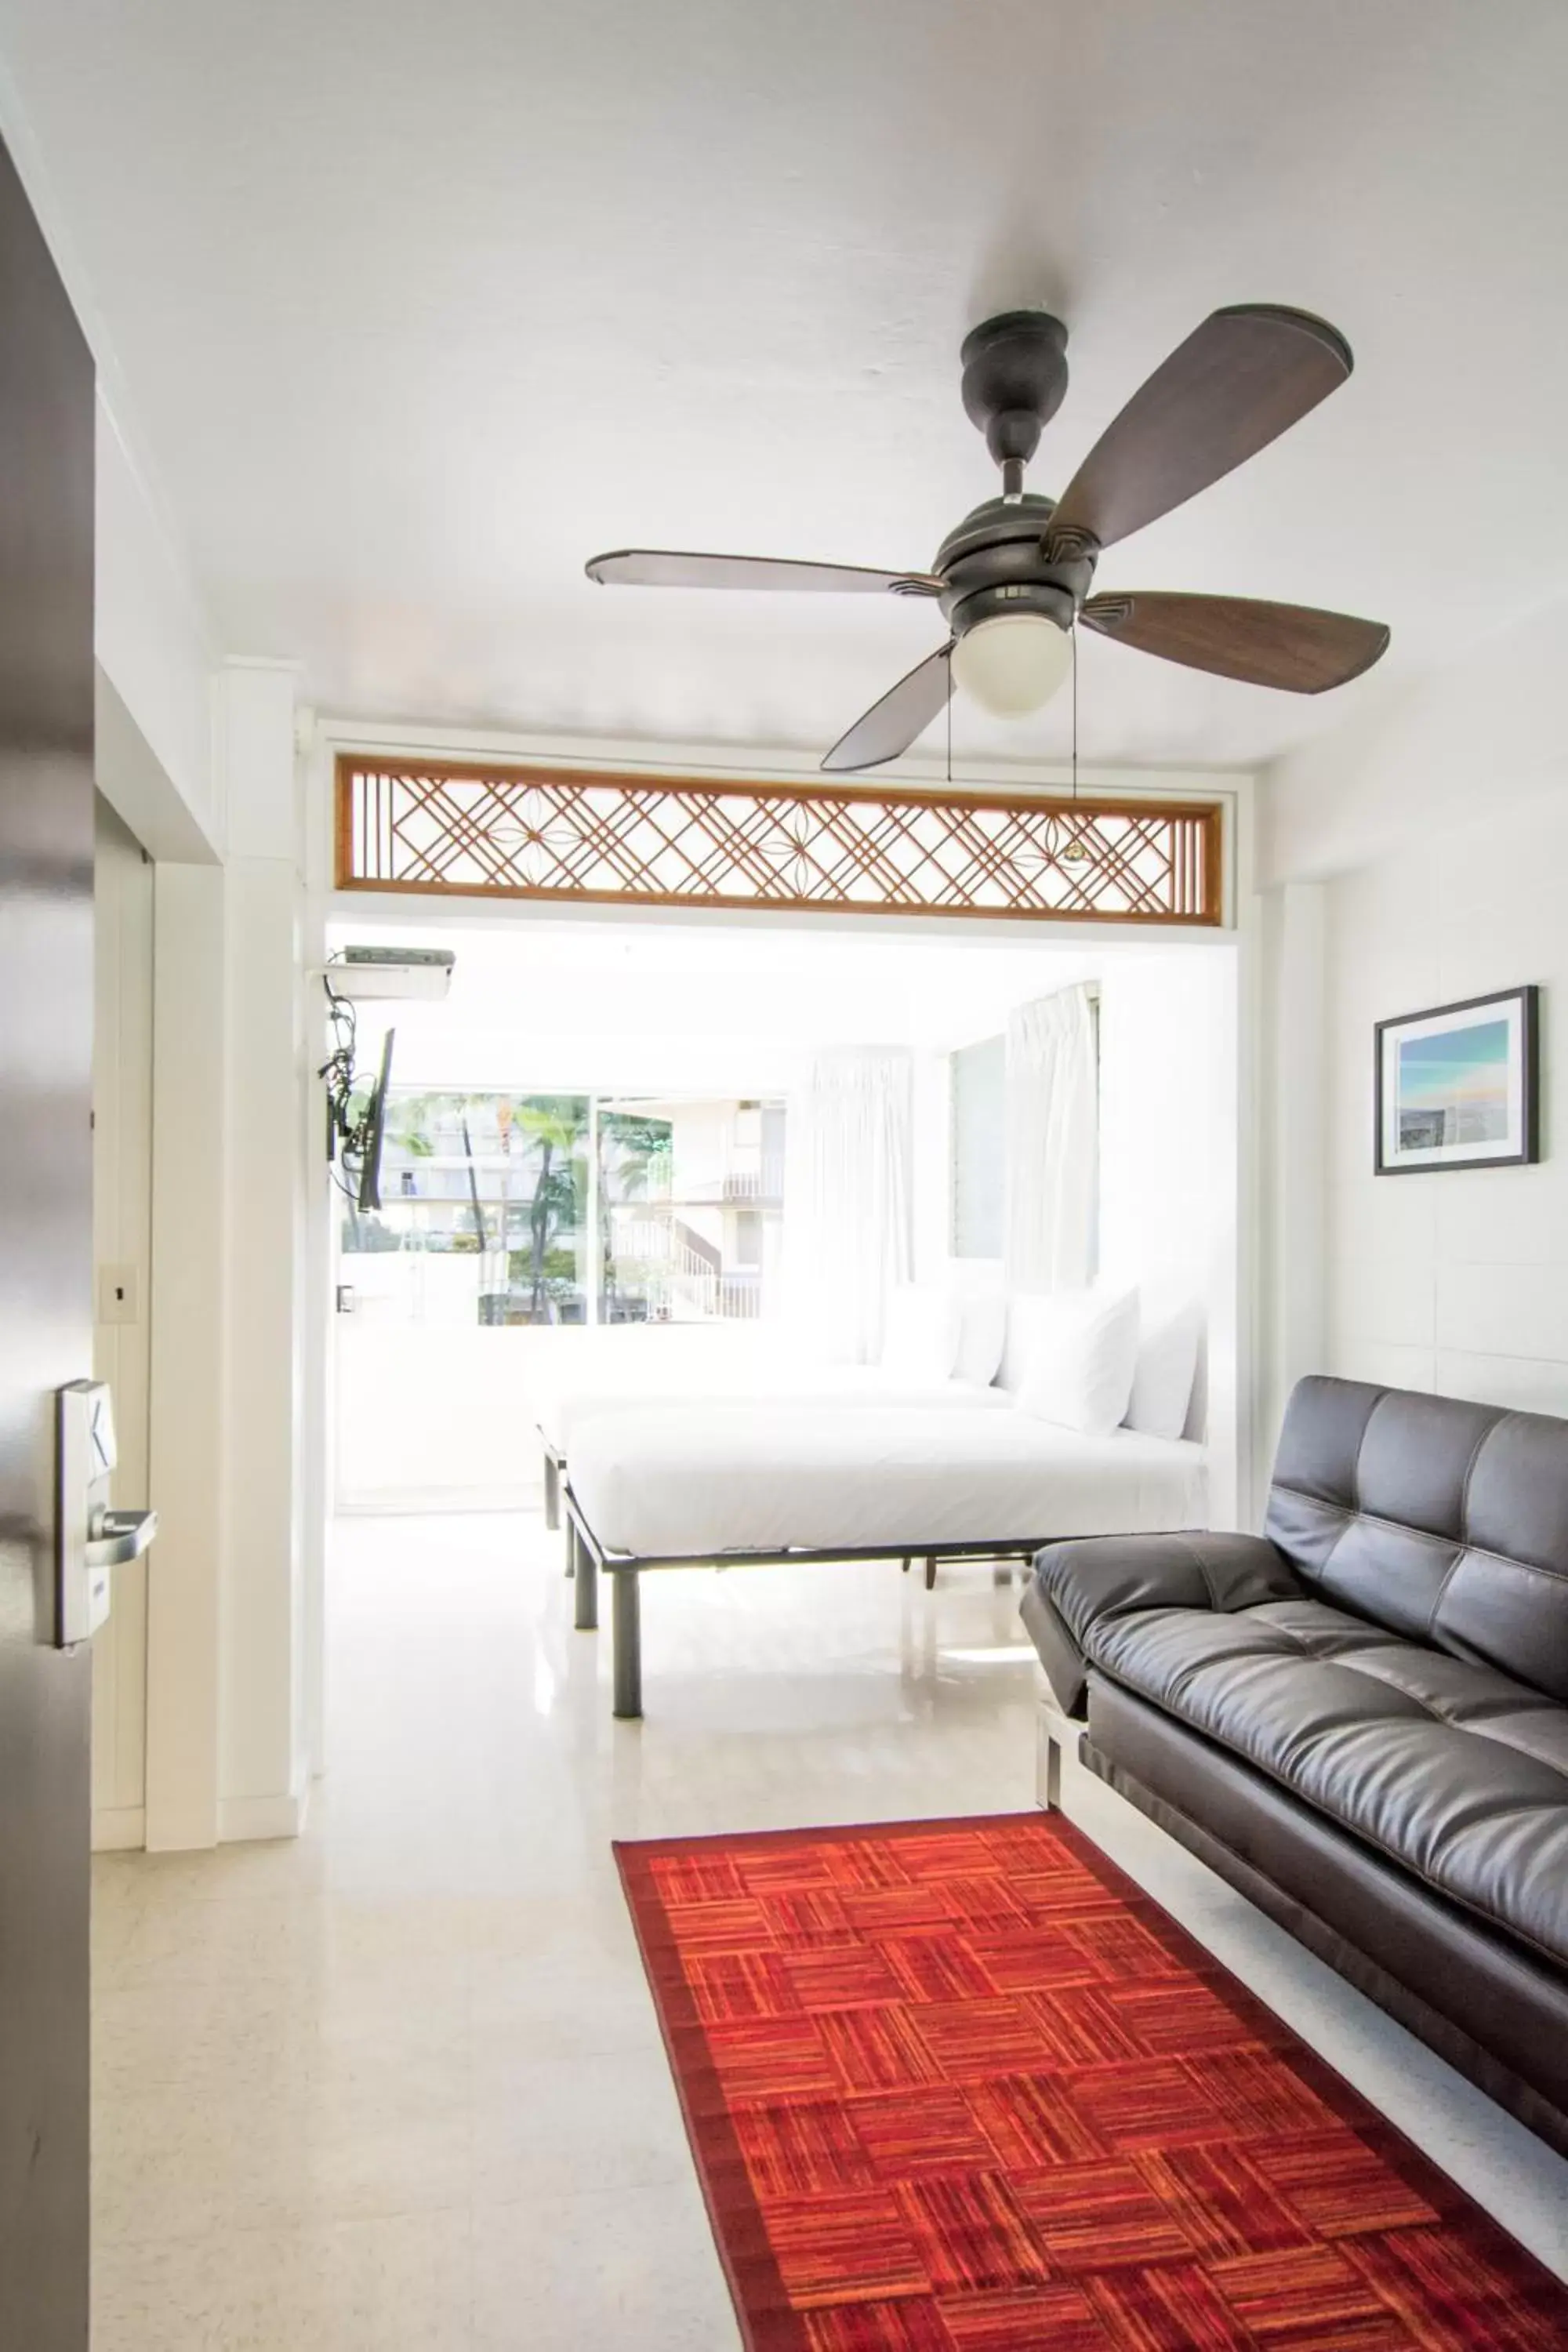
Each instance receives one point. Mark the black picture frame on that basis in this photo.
(1528, 1001)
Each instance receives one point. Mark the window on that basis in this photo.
(584, 834)
(692, 1192)
(545, 1208)
(485, 1200)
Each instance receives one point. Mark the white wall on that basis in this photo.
(1455, 1280)
(439, 1416)
(232, 1117)
(1438, 829)
(548, 1004)
(121, 1246)
(1483, 735)
(1170, 1170)
(155, 662)
(271, 1124)
(187, 1308)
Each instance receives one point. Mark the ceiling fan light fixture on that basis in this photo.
(1013, 663)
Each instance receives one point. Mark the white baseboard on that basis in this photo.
(243, 1817)
(119, 1829)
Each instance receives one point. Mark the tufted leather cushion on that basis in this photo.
(1442, 1520)
(1450, 1769)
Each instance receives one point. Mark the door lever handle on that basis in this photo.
(118, 1537)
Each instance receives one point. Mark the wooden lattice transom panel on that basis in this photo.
(579, 833)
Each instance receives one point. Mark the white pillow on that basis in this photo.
(1079, 1352)
(1167, 1366)
(920, 1332)
(983, 1330)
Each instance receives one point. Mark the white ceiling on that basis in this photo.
(416, 307)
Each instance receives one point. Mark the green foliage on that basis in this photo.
(629, 1147)
(560, 1270)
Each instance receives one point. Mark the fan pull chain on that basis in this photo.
(1076, 853)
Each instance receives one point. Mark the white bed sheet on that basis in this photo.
(692, 1386)
(674, 1480)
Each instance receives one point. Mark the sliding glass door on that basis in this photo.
(503, 1209)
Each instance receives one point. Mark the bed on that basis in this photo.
(684, 1485)
(712, 1378)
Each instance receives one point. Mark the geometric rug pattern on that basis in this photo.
(962, 2086)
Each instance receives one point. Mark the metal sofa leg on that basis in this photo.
(1052, 1735)
(587, 1581)
(552, 1492)
(628, 1638)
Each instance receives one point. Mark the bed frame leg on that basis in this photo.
(930, 1574)
(587, 1581)
(628, 1637)
(552, 1492)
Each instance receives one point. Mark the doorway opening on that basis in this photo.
(597, 1129)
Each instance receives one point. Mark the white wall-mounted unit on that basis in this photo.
(369, 972)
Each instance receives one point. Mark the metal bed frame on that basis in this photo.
(586, 1559)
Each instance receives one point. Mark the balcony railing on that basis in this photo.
(683, 1278)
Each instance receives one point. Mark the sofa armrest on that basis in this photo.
(1078, 1584)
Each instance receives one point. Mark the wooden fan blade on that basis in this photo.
(656, 567)
(892, 725)
(1234, 385)
(1291, 646)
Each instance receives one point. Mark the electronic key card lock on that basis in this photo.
(91, 1540)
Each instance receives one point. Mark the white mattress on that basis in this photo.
(645, 1360)
(688, 1383)
(674, 1480)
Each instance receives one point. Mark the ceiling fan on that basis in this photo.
(1013, 579)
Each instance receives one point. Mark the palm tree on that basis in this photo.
(552, 1123)
(636, 1142)
(411, 1117)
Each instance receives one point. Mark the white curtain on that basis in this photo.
(1052, 1142)
(847, 1183)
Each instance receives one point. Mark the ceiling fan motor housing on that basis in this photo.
(996, 561)
(1015, 380)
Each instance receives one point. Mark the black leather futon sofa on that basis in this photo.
(1359, 1718)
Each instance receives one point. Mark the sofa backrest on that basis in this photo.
(1440, 1519)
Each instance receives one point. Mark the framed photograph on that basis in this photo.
(1457, 1086)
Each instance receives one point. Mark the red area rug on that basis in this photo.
(962, 2087)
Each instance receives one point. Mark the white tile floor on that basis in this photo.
(397, 2086)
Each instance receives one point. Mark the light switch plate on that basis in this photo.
(118, 1294)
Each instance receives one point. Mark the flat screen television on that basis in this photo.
(369, 1195)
